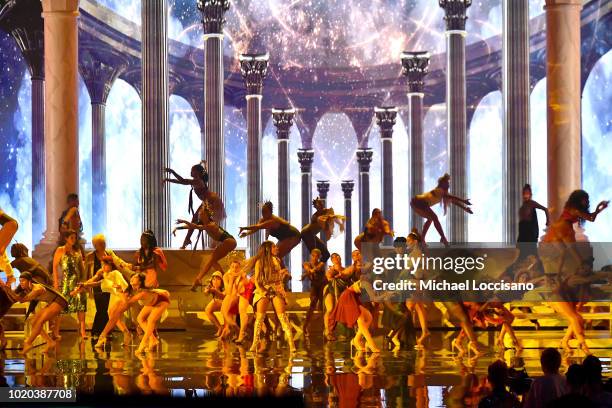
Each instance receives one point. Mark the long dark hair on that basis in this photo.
(146, 256)
(575, 202)
(201, 171)
(19, 250)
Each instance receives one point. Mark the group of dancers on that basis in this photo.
(343, 292)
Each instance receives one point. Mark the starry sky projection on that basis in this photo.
(306, 34)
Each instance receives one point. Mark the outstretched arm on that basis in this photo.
(251, 229)
(178, 179)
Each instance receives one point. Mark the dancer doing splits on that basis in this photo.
(422, 203)
(269, 280)
(287, 235)
(199, 186)
(561, 233)
(226, 242)
(322, 221)
(110, 281)
(375, 230)
(31, 291)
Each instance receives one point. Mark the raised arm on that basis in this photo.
(178, 179)
(591, 216)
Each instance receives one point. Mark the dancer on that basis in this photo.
(230, 304)
(375, 230)
(418, 305)
(350, 311)
(269, 287)
(561, 233)
(30, 291)
(422, 203)
(68, 261)
(528, 228)
(338, 279)
(314, 271)
(287, 235)
(155, 301)
(199, 186)
(93, 264)
(24, 263)
(226, 242)
(110, 281)
(493, 314)
(9, 227)
(216, 290)
(150, 259)
(7, 299)
(321, 222)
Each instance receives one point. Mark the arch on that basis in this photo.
(435, 156)
(538, 136)
(123, 165)
(335, 144)
(185, 150)
(596, 147)
(485, 170)
(235, 171)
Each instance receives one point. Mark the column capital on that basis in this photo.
(415, 65)
(213, 15)
(305, 158)
(254, 68)
(571, 3)
(323, 188)
(99, 71)
(283, 120)
(364, 158)
(347, 188)
(385, 119)
(455, 13)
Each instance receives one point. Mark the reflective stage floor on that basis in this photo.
(190, 364)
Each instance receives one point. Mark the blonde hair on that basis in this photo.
(98, 238)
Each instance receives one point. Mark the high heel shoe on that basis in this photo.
(153, 344)
(456, 344)
(396, 343)
(421, 340)
(357, 346)
(473, 346)
(585, 349)
(101, 342)
(372, 349)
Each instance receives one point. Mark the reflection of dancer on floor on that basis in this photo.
(287, 235)
(422, 203)
(111, 281)
(322, 221)
(30, 291)
(226, 242)
(314, 271)
(561, 233)
(68, 261)
(495, 314)
(375, 230)
(269, 281)
(199, 186)
(216, 290)
(150, 259)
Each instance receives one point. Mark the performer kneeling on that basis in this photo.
(422, 203)
(287, 235)
(30, 291)
(226, 241)
(269, 280)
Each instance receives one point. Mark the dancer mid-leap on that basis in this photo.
(199, 186)
(422, 203)
(323, 220)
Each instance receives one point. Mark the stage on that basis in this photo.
(194, 363)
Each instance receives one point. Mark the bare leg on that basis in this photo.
(243, 307)
(48, 313)
(422, 316)
(212, 307)
(363, 322)
(81, 318)
(153, 317)
(329, 305)
(219, 253)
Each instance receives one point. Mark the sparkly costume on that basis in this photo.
(71, 265)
